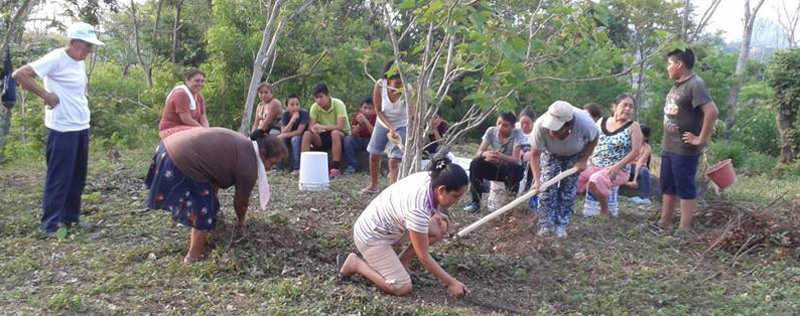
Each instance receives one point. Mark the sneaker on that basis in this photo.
(681, 234)
(543, 231)
(472, 207)
(635, 200)
(295, 173)
(646, 202)
(82, 225)
(561, 232)
(350, 170)
(52, 234)
(78, 225)
(334, 173)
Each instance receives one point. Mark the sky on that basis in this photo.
(730, 14)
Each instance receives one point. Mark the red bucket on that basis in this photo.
(722, 174)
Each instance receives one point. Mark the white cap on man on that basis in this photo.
(559, 113)
(84, 32)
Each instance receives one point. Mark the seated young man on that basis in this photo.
(498, 159)
(293, 124)
(362, 125)
(327, 126)
(640, 172)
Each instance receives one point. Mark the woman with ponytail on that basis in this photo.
(189, 167)
(412, 208)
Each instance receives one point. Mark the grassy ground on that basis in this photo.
(283, 263)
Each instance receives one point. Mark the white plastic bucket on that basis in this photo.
(498, 196)
(314, 171)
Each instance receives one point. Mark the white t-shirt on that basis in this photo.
(66, 78)
(583, 132)
(394, 112)
(402, 206)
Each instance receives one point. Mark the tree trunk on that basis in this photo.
(18, 19)
(258, 67)
(687, 8)
(138, 48)
(268, 43)
(176, 34)
(744, 55)
(158, 19)
(784, 119)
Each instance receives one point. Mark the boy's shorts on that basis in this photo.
(678, 174)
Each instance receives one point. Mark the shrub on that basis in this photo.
(735, 151)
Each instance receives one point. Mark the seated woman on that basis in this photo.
(498, 159)
(189, 167)
(618, 145)
(413, 208)
(640, 173)
(184, 108)
(268, 112)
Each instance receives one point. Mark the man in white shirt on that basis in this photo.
(67, 120)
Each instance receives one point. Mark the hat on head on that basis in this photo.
(84, 32)
(559, 113)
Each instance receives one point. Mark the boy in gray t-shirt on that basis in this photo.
(498, 159)
(689, 115)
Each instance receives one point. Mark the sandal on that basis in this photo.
(339, 263)
(370, 191)
(655, 225)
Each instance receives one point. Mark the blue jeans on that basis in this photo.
(352, 146)
(643, 180)
(67, 157)
(294, 145)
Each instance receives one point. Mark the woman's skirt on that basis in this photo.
(191, 202)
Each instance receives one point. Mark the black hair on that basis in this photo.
(388, 67)
(594, 110)
(623, 96)
(444, 172)
(645, 131)
(366, 100)
(509, 117)
(320, 88)
(527, 111)
(191, 72)
(292, 96)
(685, 56)
(269, 146)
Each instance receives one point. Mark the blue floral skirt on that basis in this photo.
(192, 203)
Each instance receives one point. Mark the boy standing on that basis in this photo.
(362, 125)
(294, 122)
(327, 127)
(689, 116)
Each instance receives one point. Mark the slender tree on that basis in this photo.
(744, 55)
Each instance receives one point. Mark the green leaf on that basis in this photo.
(61, 233)
(408, 5)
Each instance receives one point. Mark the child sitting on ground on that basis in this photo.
(640, 173)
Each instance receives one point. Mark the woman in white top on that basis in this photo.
(411, 208)
(392, 120)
